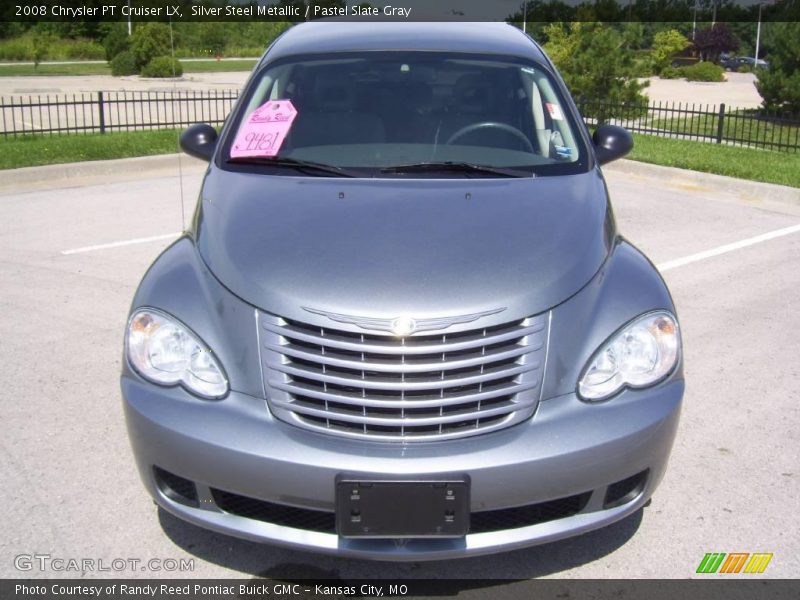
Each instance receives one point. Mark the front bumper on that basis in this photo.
(569, 450)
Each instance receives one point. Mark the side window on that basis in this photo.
(273, 86)
(261, 94)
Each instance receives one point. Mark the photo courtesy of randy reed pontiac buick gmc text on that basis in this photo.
(403, 324)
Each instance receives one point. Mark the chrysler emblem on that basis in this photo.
(403, 326)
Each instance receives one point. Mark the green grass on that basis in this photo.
(745, 163)
(738, 125)
(32, 151)
(48, 69)
(200, 66)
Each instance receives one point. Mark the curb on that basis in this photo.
(741, 188)
(166, 165)
(97, 171)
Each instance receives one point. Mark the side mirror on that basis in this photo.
(611, 142)
(200, 141)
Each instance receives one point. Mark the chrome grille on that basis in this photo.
(419, 388)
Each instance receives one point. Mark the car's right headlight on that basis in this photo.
(641, 354)
(165, 351)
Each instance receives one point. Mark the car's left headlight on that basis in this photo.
(165, 351)
(641, 354)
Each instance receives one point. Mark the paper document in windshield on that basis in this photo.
(265, 129)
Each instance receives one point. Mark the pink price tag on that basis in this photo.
(265, 129)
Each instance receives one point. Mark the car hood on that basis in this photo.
(390, 247)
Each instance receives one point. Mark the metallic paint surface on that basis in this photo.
(559, 452)
(394, 247)
(387, 247)
(567, 447)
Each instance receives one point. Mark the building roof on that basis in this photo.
(342, 36)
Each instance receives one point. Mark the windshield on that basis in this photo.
(389, 114)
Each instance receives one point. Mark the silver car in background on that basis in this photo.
(403, 325)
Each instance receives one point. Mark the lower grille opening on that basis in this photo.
(624, 491)
(176, 488)
(279, 514)
(532, 514)
(325, 522)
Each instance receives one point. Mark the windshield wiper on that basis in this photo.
(456, 167)
(293, 163)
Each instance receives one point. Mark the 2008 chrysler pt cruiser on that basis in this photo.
(403, 324)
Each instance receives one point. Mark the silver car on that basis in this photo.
(403, 324)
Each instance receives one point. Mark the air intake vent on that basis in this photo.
(176, 488)
(624, 491)
(325, 522)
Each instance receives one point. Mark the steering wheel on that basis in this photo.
(492, 125)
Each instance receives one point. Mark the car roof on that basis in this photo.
(342, 36)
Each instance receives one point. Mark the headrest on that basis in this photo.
(472, 94)
(334, 93)
(419, 94)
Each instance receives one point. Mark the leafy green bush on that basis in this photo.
(642, 65)
(45, 46)
(162, 66)
(41, 44)
(779, 85)
(608, 84)
(671, 73)
(20, 48)
(703, 71)
(149, 41)
(84, 50)
(212, 38)
(228, 52)
(745, 69)
(666, 44)
(116, 40)
(123, 64)
(243, 51)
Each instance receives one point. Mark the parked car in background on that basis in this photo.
(403, 324)
(734, 63)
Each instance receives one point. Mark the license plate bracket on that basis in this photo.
(407, 508)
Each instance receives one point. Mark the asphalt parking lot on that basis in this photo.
(73, 253)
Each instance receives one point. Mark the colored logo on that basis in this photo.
(735, 562)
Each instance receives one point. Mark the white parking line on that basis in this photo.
(663, 267)
(764, 237)
(144, 240)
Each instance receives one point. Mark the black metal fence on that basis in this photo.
(103, 112)
(753, 128)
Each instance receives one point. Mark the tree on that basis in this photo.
(597, 68)
(779, 85)
(116, 40)
(713, 41)
(150, 40)
(666, 44)
(40, 45)
(213, 38)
